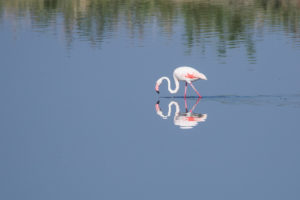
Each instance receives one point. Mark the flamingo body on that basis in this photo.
(188, 74)
(184, 73)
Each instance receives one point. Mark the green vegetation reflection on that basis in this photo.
(232, 22)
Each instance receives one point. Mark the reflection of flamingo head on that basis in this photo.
(157, 108)
(189, 120)
(159, 112)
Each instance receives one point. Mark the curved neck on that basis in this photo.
(176, 106)
(169, 84)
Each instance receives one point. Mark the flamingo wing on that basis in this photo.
(191, 76)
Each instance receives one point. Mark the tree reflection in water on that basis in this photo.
(228, 24)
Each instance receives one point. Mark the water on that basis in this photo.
(79, 113)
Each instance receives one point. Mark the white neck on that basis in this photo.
(176, 106)
(169, 84)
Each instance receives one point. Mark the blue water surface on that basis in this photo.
(79, 113)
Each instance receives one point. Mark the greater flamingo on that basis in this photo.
(184, 73)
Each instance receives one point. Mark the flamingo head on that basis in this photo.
(158, 82)
(202, 76)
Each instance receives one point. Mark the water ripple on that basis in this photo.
(255, 100)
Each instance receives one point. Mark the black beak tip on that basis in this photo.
(157, 91)
(157, 102)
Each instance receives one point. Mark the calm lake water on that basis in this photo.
(80, 118)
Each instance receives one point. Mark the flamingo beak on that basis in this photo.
(157, 88)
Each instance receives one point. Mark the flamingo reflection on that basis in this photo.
(185, 120)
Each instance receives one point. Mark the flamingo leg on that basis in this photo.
(185, 89)
(185, 104)
(194, 106)
(186, 109)
(195, 89)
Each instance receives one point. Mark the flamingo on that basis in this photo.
(184, 73)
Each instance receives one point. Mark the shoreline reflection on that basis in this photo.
(185, 120)
(222, 25)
